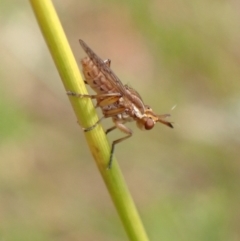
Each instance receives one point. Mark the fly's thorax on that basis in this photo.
(134, 96)
(137, 112)
(94, 77)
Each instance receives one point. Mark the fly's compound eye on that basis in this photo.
(149, 124)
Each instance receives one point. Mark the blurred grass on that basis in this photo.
(14, 122)
(185, 182)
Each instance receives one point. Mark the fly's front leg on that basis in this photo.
(110, 129)
(124, 129)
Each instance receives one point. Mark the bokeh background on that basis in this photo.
(185, 181)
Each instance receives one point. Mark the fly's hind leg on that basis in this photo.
(124, 129)
(110, 129)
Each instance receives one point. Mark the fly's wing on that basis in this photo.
(129, 94)
(111, 77)
(135, 97)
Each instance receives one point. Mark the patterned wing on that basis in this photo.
(111, 77)
(129, 94)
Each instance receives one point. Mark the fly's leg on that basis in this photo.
(124, 129)
(102, 99)
(94, 125)
(110, 129)
(80, 95)
(71, 93)
(120, 126)
(106, 99)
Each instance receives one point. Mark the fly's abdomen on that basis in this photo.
(95, 78)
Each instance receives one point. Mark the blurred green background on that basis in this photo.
(185, 181)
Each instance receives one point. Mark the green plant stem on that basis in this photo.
(86, 115)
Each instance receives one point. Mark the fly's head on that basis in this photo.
(149, 119)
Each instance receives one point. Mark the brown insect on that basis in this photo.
(120, 102)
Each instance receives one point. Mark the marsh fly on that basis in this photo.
(120, 102)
